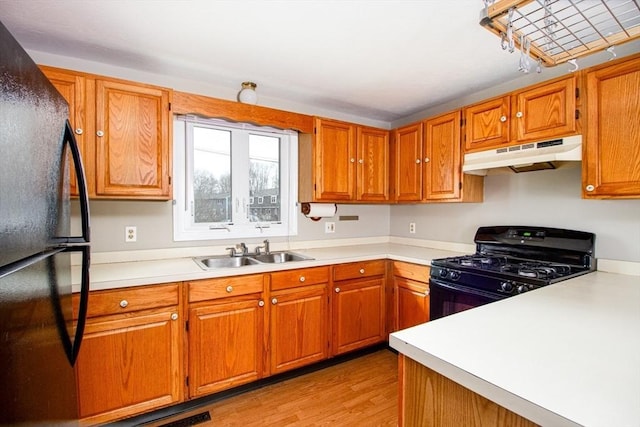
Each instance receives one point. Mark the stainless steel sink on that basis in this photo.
(208, 263)
(224, 261)
(278, 257)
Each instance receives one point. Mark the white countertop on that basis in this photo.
(125, 274)
(564, 355)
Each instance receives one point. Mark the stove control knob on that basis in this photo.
(506, 286)
(455, 275)
(522, 289)
(444, 273)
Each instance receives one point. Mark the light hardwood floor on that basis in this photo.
(359, 392)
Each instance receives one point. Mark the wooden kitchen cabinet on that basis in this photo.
(227, 333)
(411, 284)
(543, 111)
(131, 355)
(346, 163)
(125, 131)
(611, 163)
(298, 321)
(407, 163)
(358, 305)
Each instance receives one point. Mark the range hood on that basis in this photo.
(526, 157)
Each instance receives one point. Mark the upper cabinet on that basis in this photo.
(124, 130)
(544, 111)
(611, 163)
(427, 163)
(343, 162)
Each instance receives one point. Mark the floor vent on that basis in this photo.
(189, 421)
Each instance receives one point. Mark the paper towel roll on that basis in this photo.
(315, 211)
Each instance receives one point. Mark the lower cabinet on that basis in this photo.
(358, 305)
(411, 284)
(298, 320)
(227, 321)
(131, 355)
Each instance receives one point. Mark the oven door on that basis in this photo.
(448, 298)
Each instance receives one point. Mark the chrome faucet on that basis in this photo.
(239, 250)
(265, 247)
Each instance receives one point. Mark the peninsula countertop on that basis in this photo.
(564, 355)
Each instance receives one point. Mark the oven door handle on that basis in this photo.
(464, 289)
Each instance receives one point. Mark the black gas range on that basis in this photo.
(509, 260)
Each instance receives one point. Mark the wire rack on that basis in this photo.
(556, 31)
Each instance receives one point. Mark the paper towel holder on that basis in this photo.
(305, 208)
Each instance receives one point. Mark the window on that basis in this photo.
(221, 169)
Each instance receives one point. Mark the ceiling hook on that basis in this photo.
(573, 62)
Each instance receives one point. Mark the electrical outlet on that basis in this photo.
(329, 227)
(130, 234)
(412, 227)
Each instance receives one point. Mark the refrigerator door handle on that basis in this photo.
(84, 301)
(83, 197)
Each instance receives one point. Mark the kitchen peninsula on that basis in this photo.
(564, 355)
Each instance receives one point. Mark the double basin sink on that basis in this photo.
(226, 261)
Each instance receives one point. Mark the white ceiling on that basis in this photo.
(379, 59)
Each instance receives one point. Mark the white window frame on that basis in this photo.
(184, 228)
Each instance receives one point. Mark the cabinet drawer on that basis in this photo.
(117, 301)
(415, 272)
(202, 290)
(355, 270)
(301, 277)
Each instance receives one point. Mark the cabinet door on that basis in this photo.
(611, 167)
(413, 302)
(408, 163)
(129, 364)
(72, 88)
(334, 161)
(358, 314)
(133, 145)
(442, 162)
(298, 334)
(225, 344)
(545, 111)
(373, 164)
(487, 125)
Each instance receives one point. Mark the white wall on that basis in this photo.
(550, 198)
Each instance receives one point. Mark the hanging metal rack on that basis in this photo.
(558, 31)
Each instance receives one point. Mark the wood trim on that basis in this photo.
(188, 103)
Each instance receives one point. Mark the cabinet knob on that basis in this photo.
(229, 288)
(337, 290)
(503, 119)
(426, 160)
(426, 292)
(302, 279)
(353, 160)
(260, 303)
(362, 271)
(589, 187)
(79, 131)
(274, 301)
(417, 161)
(519, 114)
(124, 303)
(174, 316)
(361, 161)
(100, 133)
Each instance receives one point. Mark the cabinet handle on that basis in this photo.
(174, 316)
(274, 301)
(362, 271)
(353, 160)
(79, 131)
(361, 161)
(260, 303)
(302, 279)
(229, 288)
(426, 160)
(337, 290)
(426, 292)
(503, 119)
(100, 133)
(519, 114)
(418, 161)
(589, 187)
(124, 303)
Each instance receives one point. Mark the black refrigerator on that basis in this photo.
(39, 340)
